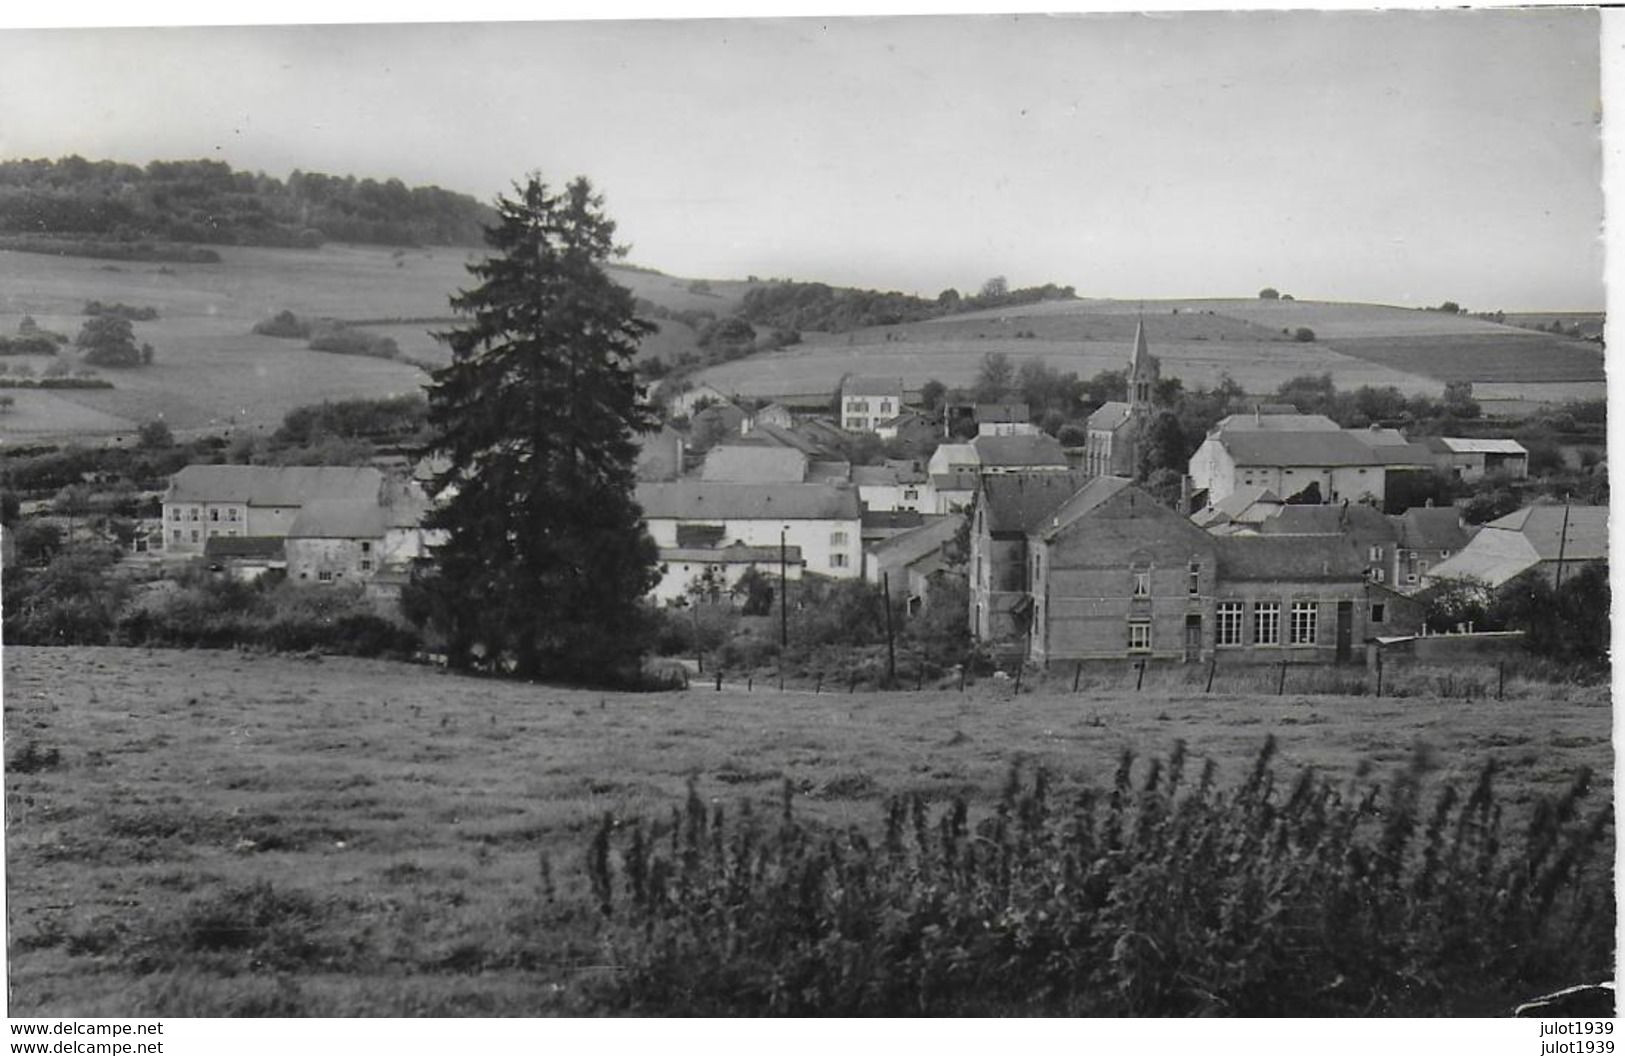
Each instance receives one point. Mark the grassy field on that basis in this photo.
(212, 372)
(1519, 356)
(201, 833)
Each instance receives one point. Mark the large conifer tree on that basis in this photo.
(546, 556)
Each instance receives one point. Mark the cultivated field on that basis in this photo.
(203, 833)
(211, 372)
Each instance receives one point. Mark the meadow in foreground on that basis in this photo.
(213, 833)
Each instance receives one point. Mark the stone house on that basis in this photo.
(867, 402)
(823, 521)
(204, 502)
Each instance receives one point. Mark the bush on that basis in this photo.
(348, 341)
(109, 341)
(1303, 333)
(27, 345)
(122, 311)
(1162, 895)
(284, 324)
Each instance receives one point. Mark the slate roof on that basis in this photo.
(964, 480)
(1543, 527)
(908, 547)
(1233, 505)
(1039, 450)
(892, 520)
(1367, 522)
(339, 519)
(854, 385)
(1431, 528)
(1330, 558)
(887, 475)
(1298, 448)
(1091, 496)
(250, 547)
(1109, 415)
(755, 464)
(1001, 412)
(1493, 557)
(1021, 503)
(1376, 436)
(1276, 423)
(273, 485)
(707, 501)
(768, 433)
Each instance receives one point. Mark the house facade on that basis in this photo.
(1338, 466)
(204, 502)
(868, 402)
(897, 485)
(714, 573)
(1006, 510)
(1110, 573)
(823, 521)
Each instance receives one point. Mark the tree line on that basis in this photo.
(816, 306)
(209, 202)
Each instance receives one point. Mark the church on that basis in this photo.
(1112, 429)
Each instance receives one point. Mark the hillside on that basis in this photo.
(73, 205)
(1198, 341)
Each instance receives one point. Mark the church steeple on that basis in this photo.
(1144, 371)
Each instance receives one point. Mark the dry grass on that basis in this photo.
(224, 834)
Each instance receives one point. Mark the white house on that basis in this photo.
(1287, 462)
(684, 569)
(867, 402)
(823, 521)
(897, 485)
(203, 502)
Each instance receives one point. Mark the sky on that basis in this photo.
(1398, 157)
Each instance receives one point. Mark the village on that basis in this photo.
(1282, 544)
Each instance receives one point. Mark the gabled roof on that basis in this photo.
(752, 464)
(1298, 448)
(1492, 558)
(1032, 450)
(1290, 557)
(1461, 445)
(962, 480)
(705, 501)
(1397, 456)
(1377, 436)
(1001, 412)
(1543, 526)
(1261, 422)
(1091, 496)
(1140, 354)
(853, 385)
(1109, 415)
(768, 433)
(249, 547)
(1235, 504)
(339, 519)
(729, 415)
(1431, 528)
(908, 547)
(1021, 503)
(892, 520)
(1366, 522)
(273, 485)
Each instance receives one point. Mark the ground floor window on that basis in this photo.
(1139, 636)
(837, 560)
(325, 577)
(1379, 612)
(1305, 618)
(1267, 623)
(1228, 630)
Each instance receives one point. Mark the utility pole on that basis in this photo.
(784, 595)
(1562, 544)
(891, 646)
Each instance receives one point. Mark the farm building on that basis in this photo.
(1472, 459)
(1555, 540)
(824, 521)
(737, 463)
(899, 484)
(1003, 419)
(715, 572)
(867, 402)
(908, 562)
(259, 501)
(245, 558)
(1109, 447)
(1109, 572)
(1338, 465)
(685, 404)
(1018, 453)
(776, 414)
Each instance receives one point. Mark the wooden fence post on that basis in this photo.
(1379, 672)
(1139, 679)
(1280, 688)
(719, 680)
(1077, 673)
(1212, 666)
(1020, 668)
(1500, 679)
(961, 678)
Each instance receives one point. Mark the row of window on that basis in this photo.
(1302, 627)
(214, 514)
(1193, 581)
(859, 406)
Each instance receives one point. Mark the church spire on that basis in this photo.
(1144, 371)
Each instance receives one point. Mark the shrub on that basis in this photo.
(27, 345)
(1162, 895)
(1303, 333)
(123, 311)
(348, 341)
(284, 324)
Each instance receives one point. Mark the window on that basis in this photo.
(214, 515)
(1142, 583)
(1228, 631)
(885, 406)
(837, 538)
(175, 514)
(366, 547)
(177, 535)
(1267, 623)
(1379, 575)
(194, 513)
(1139, 636)
(1379, 612)
(854, 423)
(1195, 586)
(837, 560)
(325, 577)
(194, 535)
(231, 514)
(1443, 554)
(366, 566)
(911, 493)
(1305, 618)
(1374, 554)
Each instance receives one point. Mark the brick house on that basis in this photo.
(1110, 573)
